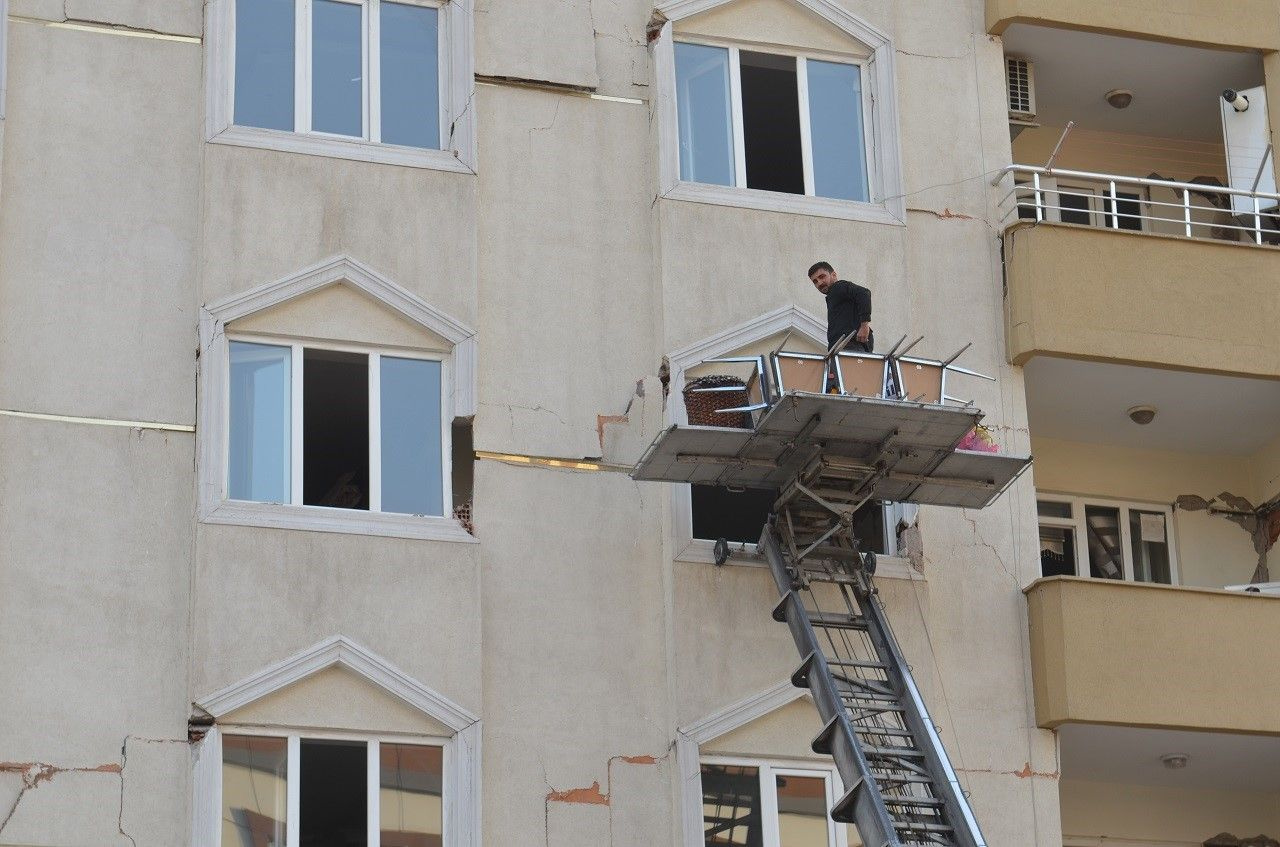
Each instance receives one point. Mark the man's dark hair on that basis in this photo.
(820, 266)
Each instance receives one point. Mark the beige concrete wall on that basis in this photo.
(568, 627)
(1148, 814)
(1212, 551)
(1091, 665)
(1062, 299)
(1190, 21)
(1266, 471)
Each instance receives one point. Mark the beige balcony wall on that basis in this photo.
(1133, 654)
(1188, 304)
(1212, 551)
(1188, 21)
(1147, 814)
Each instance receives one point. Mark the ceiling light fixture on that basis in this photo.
(1175, 761)
(1119, 98)
(1142, 415)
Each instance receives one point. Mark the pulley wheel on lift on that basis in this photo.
(721, 551)
(869, 562)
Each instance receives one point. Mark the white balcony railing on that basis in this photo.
(1139, 204)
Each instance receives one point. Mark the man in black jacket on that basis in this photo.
(848, 308)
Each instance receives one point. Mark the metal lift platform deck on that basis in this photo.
(905, 451)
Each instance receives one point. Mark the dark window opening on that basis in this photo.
(1057, 551)
(1129, 209)
(335, 429)
(739, 517)
(771, 122)
(1075, 206)
(464, 474)
(333, 795)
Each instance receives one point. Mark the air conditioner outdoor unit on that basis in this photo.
(1020, 82)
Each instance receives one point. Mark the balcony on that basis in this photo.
(1185, 21)
(1133, 654)
(1139, 228)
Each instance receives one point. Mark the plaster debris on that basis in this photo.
(594, 796)
(604, 420)
(1028, 773)
(590, 796)
(34, 773)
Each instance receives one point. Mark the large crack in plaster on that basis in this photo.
(592, 795)
(35, 773)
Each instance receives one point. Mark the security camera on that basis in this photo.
(1238, 101)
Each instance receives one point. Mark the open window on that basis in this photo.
(353, 432)
(375, 80)
(791, 109)
(1106, 539)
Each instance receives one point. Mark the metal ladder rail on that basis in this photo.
(842, 735)
(870, 814)
(937, 763)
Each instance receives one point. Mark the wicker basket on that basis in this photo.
(702, 405)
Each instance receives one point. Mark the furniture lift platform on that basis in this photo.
(896, 450)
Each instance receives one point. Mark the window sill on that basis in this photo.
(348, 521)
(774, 201)
(699, 551)
(340, 148)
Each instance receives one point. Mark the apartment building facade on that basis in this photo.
(328, 329)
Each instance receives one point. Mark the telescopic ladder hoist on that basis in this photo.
(827, 454)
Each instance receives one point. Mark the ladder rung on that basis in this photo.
(838, 620)
(909, 752)
(852, 698)
(871, 711)
(854, 663)
(879, 730)
(930, 802)
(903, 826)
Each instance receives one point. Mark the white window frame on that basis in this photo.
(458, 380)
(1077, 523)
(373, 742)
(374, 356)
(768, 770)
(456, 80)
(880, 121)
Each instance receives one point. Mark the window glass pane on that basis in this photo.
(1105, 557)
(410, 75)
(1149, 537)
(337, 68)
(253, 791)
(1130, 209)
(335, 429)
(835, 131)
(258, 464)
(412, 470)
(411, 782)
(1053, 509)
(1075, 206)
(771, 122)
(264, 64)
(802, 811)
(1057, 551)
(333, 793)
(731, 806)
(706, 127)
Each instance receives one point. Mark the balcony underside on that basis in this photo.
(1137, 298)
(1245, 24)
(1123, 653)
